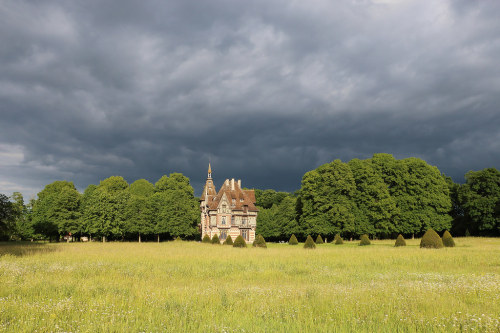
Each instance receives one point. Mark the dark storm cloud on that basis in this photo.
(265, 90)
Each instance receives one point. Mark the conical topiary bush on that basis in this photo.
(364, 240)
(431, 240)
(178, 239)
(239, 242)
(228, 241)
(215, 239)
(206, 239)
(259, 242)
(293, 240)
(338, 240)
(448, 240)
(309, 244)
(319, 240)
(400, 241)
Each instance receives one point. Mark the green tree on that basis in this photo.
(215, 240)
(7, 217)
(319, 240)
(376, 210)
(142, 187)
(239, 242)
(431, 240)
(338, 240)
(176, 208)
(364, 240)
(206, 239)
(327, 199)
(23, 228)
(139, 216)
(448, 239)
(309, 244)
(293, 240)
(107, 208)
(420, 192)
(480, 199)
(400, 241)
(259, 242)
(228, 241)
(56, 211)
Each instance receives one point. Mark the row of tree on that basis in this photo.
(110, 210)
(382, 197)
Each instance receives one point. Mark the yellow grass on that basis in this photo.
(194, 287)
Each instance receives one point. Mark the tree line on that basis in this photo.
(380, 196)
(111, 210)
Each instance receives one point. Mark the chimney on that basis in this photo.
(232, 184)
(239, 183)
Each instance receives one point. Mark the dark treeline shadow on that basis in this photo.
(20, 249)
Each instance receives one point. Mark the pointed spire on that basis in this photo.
(209, 171)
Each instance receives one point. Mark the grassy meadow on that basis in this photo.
(194, 287)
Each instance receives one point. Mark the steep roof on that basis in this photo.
(233, 191)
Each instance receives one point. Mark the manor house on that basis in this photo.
(231, 211)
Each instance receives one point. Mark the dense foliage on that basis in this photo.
(319, 240)
(239, 242)
(338, 240)
(215, 240)
(228, 241)
(206, 239)
(309, 244)
(259, 242)
(400, 241)
(364, 240)
(448, 240)
(380, 196)
(431, 240)
(293, 240)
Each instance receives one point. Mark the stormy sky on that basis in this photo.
(265, 90)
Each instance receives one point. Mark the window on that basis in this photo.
(244, 234)
(244, 221)
(223, 220)
(232, 220)
(223, 235)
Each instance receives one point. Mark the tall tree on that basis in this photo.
(375, 210)
(139, 212)
(56, 211)
(175, 206)
(7, 217)
(108, 207)
(327, 200)
(480, 198)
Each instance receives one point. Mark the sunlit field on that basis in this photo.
(194, 287)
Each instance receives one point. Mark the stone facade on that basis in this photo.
(231, 211)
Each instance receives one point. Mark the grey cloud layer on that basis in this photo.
(266, 89)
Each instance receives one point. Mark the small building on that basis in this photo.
(231, 211)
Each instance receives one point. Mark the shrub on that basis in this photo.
(239, 242)
(338, 240)
(400, 241)
(431, 240)
(206, 239)
(364, 240)
(467, 233)
(293, 240)
(178, 239)
(319, 240)
(309, 244)
(215, 239)
(448, 240)
(228, 241)
(259, 242)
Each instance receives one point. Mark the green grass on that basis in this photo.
(194, 287)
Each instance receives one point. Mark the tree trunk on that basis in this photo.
(158, 238)
(104, 239)
(139, 237)
(412, 236)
